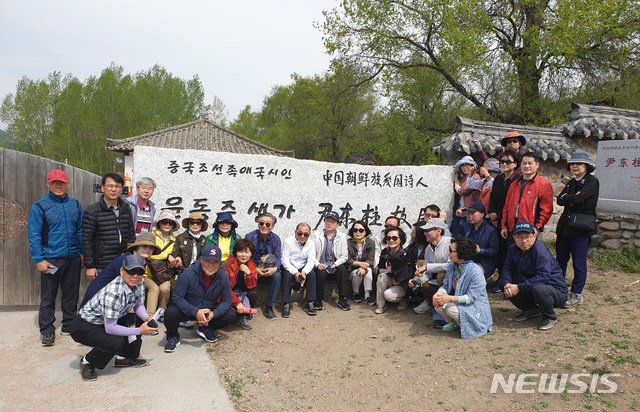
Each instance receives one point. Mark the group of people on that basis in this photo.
(142, 272)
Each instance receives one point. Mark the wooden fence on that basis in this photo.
(23, 182)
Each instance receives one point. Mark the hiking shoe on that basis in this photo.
(269, 313)
(370, 301)
(188, 324)
(286, 310)
(48, 339)
(438, 324)
(243, 322)
(207, 334)
(343, 304)
(310, 309)
(451, 326)
(404, 303)
(318, 305)
(546, 323)
(422, 308)
(129, 363)
(172, 343)
(87, 371)
(381, 309)
(574, 299)
(357, 298)
(527, 314)
(65, 331)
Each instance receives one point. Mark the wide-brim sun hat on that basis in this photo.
(511, 135)
(580, 156)
(195, 216)
(167, 215)
(145, 239)
(466, 160)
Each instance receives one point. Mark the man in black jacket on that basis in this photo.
(107, 226)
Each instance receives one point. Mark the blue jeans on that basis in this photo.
(288, 283)
(577, 248)
(275, 281)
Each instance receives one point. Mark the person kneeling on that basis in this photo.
(202, 293)
(462, 299)
(96, 323)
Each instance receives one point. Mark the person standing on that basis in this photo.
(143, 210)
(580, 195)
(55, 242)
(107, 226)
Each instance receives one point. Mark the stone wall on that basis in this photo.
(616, 229)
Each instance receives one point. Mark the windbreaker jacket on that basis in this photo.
(231, 266)
(55, 228)
(585, 202)
(339, 246)
(189, 294)
(534, 206)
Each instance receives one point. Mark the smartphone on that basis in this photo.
(52, 270)
(152, 324)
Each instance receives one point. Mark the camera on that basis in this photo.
(417, 284)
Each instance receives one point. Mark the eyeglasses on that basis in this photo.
(265, 224)
(111, 187)
(393, 238)
(514, 140)
(166, 222)
(225, 222)
(303, 234)
(452, 250)
(506, 162)
(135, 272)
(358, 230)
(429, 230)
(195, 222)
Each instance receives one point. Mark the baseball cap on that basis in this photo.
(57, 174)
(523, 227)
(434, 222)
(332, 215)
(476, 206)
(211, 252)
(132, 262)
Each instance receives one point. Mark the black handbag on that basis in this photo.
(160, 268)
(581, 222)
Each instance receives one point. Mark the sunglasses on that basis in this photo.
(452, 250)
(506, 162)
(166, 222)
(265, 224)
(394, 238)
(135, 273)
(303, 234)
(514, 140)
(195, 222)
(360, 230)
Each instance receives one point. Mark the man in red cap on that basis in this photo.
(55, 241)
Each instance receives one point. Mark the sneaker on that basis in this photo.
(172, 343)
(309, 307)
(188, 324)
(286, 310)
(546, 323)
(243, 322)
(48, 339)
(318, 305)
(451, 326)
(370, 301)
(343, 304)
(87, 371)
(527, 314)
(130, 363)
(573, 300)
(439, 324)
(381, 309)
(404, 303)
(422, 308)
(357, 298)
(65, 331)
(207, 334)
(269, 313)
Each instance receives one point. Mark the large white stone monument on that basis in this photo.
(618, 170)
(291, 189)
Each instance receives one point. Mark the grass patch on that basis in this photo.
(235, 387)
(626, 259)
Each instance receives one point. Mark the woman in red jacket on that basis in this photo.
(243, 279)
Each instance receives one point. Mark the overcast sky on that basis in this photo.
(240, 49)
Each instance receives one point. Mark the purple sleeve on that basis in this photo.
(112, 328)
(141, 311)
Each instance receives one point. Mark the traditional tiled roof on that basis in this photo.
(603, 123)
(547, 143)
(201, 134)
(366, 158)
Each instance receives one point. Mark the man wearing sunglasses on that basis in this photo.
(96, 323)
(298, 261)
(267, 243)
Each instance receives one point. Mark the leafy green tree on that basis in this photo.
(503, 57)
(246, 123)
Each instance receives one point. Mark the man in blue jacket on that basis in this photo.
(480, 231)
(533, 280)
(201, 293)
(55, 241)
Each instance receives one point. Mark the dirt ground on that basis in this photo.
(361, 361)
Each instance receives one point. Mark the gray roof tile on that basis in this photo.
(603, 123)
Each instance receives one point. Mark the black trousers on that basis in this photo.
(542, 297)
(342, 281)
(173, 316)
(67, 279)
(105, 346)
